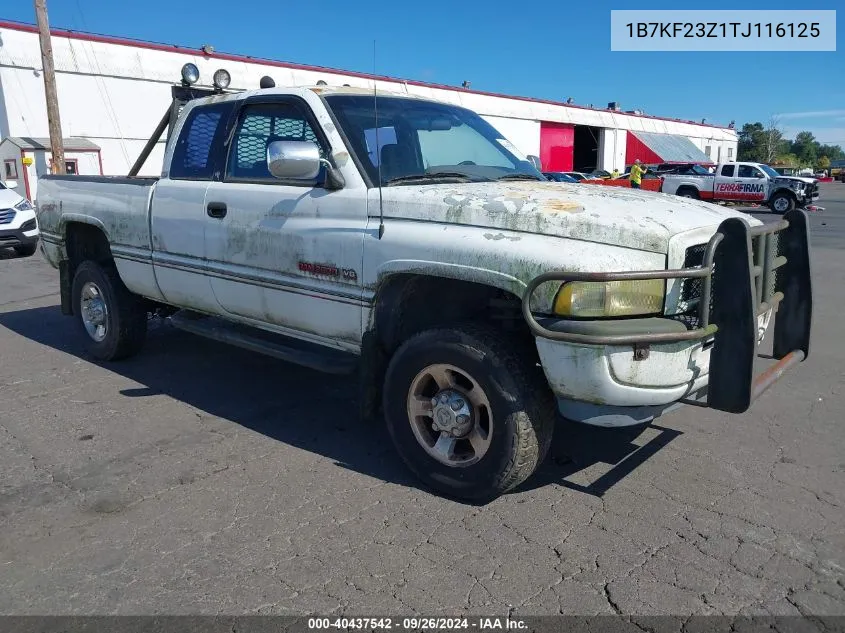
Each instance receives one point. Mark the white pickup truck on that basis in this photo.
(745, 182)
(418, 248)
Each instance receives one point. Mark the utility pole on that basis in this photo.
(53, 120)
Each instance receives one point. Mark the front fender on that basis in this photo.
(458, 272)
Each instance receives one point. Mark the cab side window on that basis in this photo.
(727, 171)
(258, 126)
(747, 171)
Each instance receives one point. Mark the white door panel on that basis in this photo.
(285, 253)
(177, 227)
(290, 257)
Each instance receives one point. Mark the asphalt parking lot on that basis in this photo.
(198, 478)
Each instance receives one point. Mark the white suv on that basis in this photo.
(18, 226)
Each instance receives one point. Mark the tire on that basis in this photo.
(520, 413)
(689, 192)
(782, 202)
(124, 319)
(26, 251)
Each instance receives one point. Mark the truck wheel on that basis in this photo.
(782, 202)
(113, 319)
(688, 192)
(469, 414)
(26, 251)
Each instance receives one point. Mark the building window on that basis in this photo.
(71, 165)
(10, 169)
(730, 153)
(708, 150)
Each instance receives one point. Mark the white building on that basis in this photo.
(113, 92)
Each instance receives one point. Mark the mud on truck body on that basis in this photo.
(416, 248)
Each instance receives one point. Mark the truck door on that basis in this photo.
(724, 185)
(178, 215)
(751, 184)
(285, 253)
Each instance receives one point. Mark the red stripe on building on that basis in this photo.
(25, 177)
(174, 48)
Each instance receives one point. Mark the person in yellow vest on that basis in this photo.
(637, 171)
(614, 174)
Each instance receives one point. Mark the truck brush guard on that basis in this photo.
(746, 272)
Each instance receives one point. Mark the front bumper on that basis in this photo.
(17, 237)
(637, 368)
(809, 194)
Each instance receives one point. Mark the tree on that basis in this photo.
(748, 145)
(787, 160)
(772, 141)
(805, 147)
(765, 144)
(823, 163)
(833, 152)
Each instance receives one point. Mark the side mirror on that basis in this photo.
(535, 160)
(11, 184)
(293, 160)
(300, 160)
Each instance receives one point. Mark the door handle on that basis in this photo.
(216, 209)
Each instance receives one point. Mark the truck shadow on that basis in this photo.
(306, 409)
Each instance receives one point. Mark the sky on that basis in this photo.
(551, 50)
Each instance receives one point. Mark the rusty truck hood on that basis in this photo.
(643, 220)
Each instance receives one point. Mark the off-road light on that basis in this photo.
(190, 74)
(222, 79)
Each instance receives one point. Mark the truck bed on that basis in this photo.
(118, 205)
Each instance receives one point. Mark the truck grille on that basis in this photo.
(7, 215)
(688, 311)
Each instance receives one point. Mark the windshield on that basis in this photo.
(420, 140)
(771, 173)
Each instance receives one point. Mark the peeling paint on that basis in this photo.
(560, 206)
(501, 236)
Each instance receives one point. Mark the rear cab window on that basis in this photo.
(196, 155)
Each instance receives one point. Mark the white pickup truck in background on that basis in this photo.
(473, 298)
(745, 182)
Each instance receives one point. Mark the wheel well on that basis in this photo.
(84, 242)
(685, 188)
(786, 191)
(407, 304)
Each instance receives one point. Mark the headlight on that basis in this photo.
(610, 298)
(29, 225)
(24, 205)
